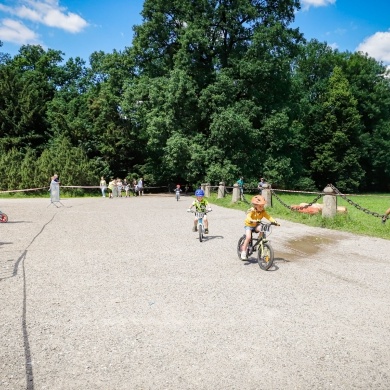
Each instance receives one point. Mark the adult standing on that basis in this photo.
(261, 185)
(126, 186)
(240, 183)
(103, 186)
(135, 187)
(119, 186)
(140, 186)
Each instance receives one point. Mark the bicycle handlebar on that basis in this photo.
(265, 223)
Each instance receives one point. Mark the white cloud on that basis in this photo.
(377, 46)
(47, 12)
(306, 4)
(16, 32)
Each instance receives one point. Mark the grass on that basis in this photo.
(354, 221)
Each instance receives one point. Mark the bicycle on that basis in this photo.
(3, 217)
(200, 215)
(177, 195)
(265, 252)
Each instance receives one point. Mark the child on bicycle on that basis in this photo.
(177, 191)
(254, 214)
(201, 205)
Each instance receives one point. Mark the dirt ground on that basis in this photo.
(119, 294)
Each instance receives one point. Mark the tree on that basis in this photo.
(335, 137)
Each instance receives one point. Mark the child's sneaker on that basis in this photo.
(243, 255)
(206, 231)
(194, 229)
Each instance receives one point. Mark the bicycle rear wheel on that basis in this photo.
(200, 230)
(3, 218)
(265, 256)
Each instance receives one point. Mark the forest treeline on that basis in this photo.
(208, 90)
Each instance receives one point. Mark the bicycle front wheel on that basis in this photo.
(3, 218)
(265, 256)
(200, 230)
(239, 246)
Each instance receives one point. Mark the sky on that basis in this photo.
(80, 27)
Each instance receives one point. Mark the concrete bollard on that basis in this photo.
(266, 192)
(206, 190)
(236, 193)
(329, 209)
(221, 190)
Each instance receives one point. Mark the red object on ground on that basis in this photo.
(306, 210)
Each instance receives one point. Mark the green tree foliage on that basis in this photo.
(70, 162)
(210, 72)
(27, 85)
(335, 137)
(209, 90)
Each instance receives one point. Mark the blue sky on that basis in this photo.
(80, 27)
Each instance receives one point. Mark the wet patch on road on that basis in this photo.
(304, 247)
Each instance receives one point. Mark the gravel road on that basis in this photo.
(119, 294)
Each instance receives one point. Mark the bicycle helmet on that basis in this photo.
(199, 193)
(258, 199)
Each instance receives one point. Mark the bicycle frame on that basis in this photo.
(200, 216)
(256, 242)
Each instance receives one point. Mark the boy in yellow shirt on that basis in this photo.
(254, 214)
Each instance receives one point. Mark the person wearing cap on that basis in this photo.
(200, 205)
(253, 216)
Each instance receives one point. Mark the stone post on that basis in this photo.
(221, 190)
(207, 190)
(329, 209)
(266, 192)
(236, 193)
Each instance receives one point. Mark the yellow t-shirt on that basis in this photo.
(253, 214)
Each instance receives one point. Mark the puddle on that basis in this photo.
(304, 247)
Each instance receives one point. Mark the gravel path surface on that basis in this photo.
(119, 294)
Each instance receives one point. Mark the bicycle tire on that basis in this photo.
(265, 256)
(239, 245)
(3, 218)
(200, 230)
